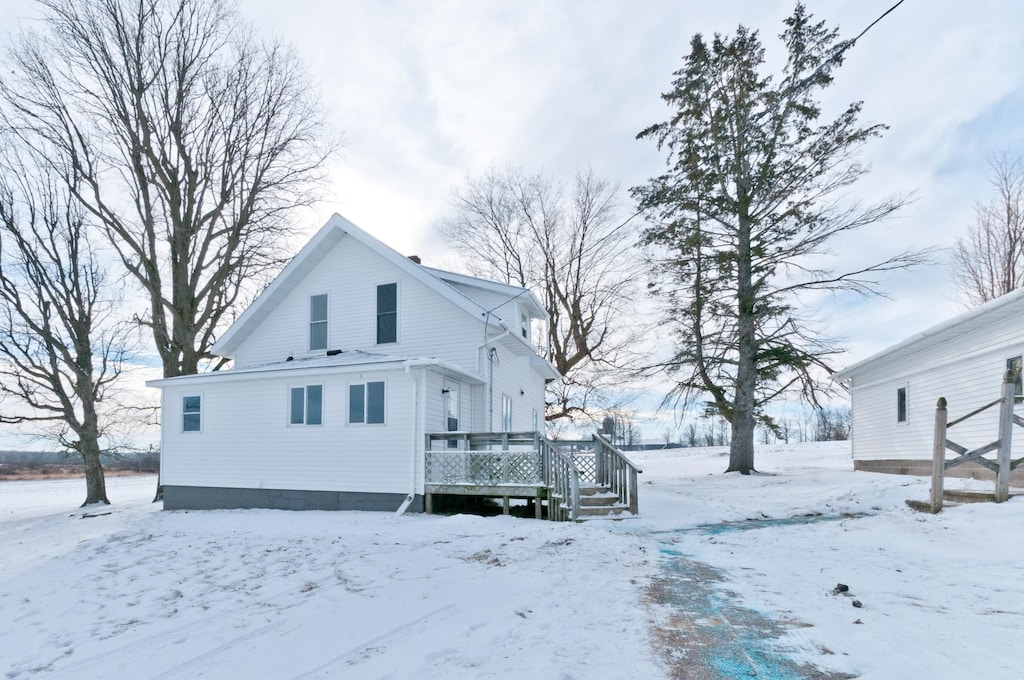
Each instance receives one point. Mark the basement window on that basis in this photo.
(901, 405)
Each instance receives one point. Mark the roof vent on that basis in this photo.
(290, 359)
(334, 352)
(416, 259)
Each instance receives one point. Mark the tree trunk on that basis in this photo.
(95, 483)
(741, 448)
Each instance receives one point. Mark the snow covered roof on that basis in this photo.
(354, 360)
(994, 311)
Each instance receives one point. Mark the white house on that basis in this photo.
(341, 368)
(965, 359)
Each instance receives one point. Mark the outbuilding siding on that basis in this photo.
(967, 368)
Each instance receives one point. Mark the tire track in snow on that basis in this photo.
(369, 644)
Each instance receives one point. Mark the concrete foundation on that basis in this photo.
(220, 498)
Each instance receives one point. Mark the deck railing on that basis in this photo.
(510, 463)
(614, 470)
(563, 480)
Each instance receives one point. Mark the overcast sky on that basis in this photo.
(428, 92)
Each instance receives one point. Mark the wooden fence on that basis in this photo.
(1001, 466)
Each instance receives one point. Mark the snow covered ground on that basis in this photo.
(273, 594)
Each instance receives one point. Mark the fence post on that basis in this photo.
(1005, 437)
(939, 455)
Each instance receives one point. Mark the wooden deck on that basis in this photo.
(525, 465)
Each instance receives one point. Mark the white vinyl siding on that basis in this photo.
(429, 325)
(967, 370)
(247, 444)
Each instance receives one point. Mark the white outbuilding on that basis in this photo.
(965, 360)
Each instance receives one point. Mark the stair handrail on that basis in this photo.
(563, 481)
(614, 470)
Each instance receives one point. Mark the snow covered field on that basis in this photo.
(142, 593)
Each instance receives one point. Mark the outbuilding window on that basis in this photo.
(366, 403)
(1014, 365)
(307, 405)
(192, 413)
(317, 322)
(387, 313)
(901, 405)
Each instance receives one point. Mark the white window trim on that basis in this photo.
(366, 403)
(181, 411)
(309, 323)
(305, 405)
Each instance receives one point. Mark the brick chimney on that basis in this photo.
(416, 259)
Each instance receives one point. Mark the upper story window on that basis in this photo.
(307, 405)
(524, 322)
(317, 322)
(366, 403)
(387, 313)
(191, 413)
(901, 405)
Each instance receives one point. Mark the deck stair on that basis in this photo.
(600, 502)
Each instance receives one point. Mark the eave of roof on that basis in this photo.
(990, 312)
(341, 362)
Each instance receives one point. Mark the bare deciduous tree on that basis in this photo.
(989, 260)
(188, 138)
(61, 344)
(573, 246)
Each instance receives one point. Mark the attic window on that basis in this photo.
(317, 322)
(387, 313)
(525, 324)
(901, 405)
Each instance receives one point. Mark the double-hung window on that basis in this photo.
(366, 403)
(192, 413)
(307, 405)
(387, 313)
(317, 322)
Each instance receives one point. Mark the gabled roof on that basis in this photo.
(994, 311)
(314, 252)
(526, 295)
